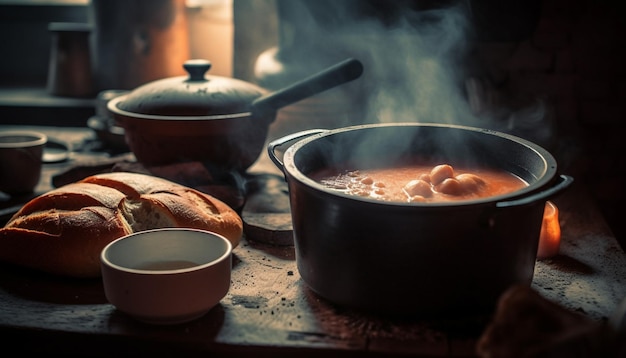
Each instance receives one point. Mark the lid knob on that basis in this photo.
(197, 69)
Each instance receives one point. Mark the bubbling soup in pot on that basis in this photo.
(420, 183)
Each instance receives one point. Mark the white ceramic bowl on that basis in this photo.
(167, 276)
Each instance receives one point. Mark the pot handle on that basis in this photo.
(331, 77)
(271, 147)
(564, 182)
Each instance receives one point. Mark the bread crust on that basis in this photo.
(64, 231)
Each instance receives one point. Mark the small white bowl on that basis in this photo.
(167, 276)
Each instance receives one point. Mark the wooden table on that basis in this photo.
(269, 311)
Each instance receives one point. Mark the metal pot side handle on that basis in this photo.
(271, 147)
(564, 182)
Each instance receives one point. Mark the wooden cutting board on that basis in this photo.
(266, 214)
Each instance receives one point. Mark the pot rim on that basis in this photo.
(112, 106)
(548, 174)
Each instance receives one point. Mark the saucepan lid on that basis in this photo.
(197, 94)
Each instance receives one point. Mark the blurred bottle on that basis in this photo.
(69, 71)
(138, 41)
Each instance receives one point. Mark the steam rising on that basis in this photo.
(417, 63)
(420, 72)
(414, 69)
(417, 67)
(413, 64)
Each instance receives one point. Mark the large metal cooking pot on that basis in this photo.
(418, 258)
(220, 121)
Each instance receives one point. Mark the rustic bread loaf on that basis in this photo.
(63, 231)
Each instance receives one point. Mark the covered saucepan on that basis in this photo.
(217, 120)
(442, 258)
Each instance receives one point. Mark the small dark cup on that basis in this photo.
(21, 155)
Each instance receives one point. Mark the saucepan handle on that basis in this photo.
(331, 77)
(273, 145)
(563, 182)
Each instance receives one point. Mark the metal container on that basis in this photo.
(415, 258)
